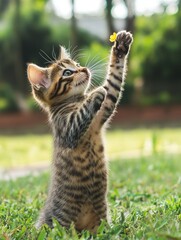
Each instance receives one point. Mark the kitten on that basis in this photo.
(78, 188)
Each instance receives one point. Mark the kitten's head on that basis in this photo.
(62, 79)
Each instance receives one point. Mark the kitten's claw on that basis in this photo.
(122, 44)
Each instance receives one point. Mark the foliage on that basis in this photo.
(144, 197)
(162, 98)
(148, 32)
(40, 33)
(35, 149)
(32, 104)
(156, 56)
(34, 34)
(24, 150)
(7, 99)
(164, 61)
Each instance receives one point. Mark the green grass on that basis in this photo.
(22, 150)
(144, 197)
(144, 140)
(144, 192)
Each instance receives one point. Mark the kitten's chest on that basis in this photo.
(91, 155)
(91, 146)
(84, 164)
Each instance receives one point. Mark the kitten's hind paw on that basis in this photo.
(122, 44)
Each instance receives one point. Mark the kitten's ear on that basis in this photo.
(38, 75)
(63, 54)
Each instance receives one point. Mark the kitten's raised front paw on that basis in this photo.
(123, 41)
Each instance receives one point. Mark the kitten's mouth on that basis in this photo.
(81, 82)
(82, 78)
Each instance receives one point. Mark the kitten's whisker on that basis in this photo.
(96, 59)
(77, 55)
(80, 55)
(73, 51)
(47, 60)
(47, 56)
(97, 70)
(54, 54)
(98, 62)
(93, 60)
(70, 47)
(86, 64)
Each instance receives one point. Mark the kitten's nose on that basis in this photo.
(83, 69)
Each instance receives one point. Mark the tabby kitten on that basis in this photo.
(78, 188)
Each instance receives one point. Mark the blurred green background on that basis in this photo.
(144, 144)
(30, 29)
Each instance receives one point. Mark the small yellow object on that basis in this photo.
(113, 37)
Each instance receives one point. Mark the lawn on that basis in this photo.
(28, 149)
(144, 192)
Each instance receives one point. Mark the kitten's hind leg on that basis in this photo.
(44, 218)
(98, 200)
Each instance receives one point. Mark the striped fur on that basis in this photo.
(78, 186)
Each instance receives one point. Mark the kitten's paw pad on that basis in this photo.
(123, 41)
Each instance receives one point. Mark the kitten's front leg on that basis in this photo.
(80, 120)
(115, 76)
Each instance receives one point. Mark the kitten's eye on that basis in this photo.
(67, 72)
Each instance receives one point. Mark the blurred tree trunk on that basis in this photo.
(74, 35)
(130, 20)
(179, 5)
(3, 5)
(109, 17)
(20, 84)
(18, 62)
